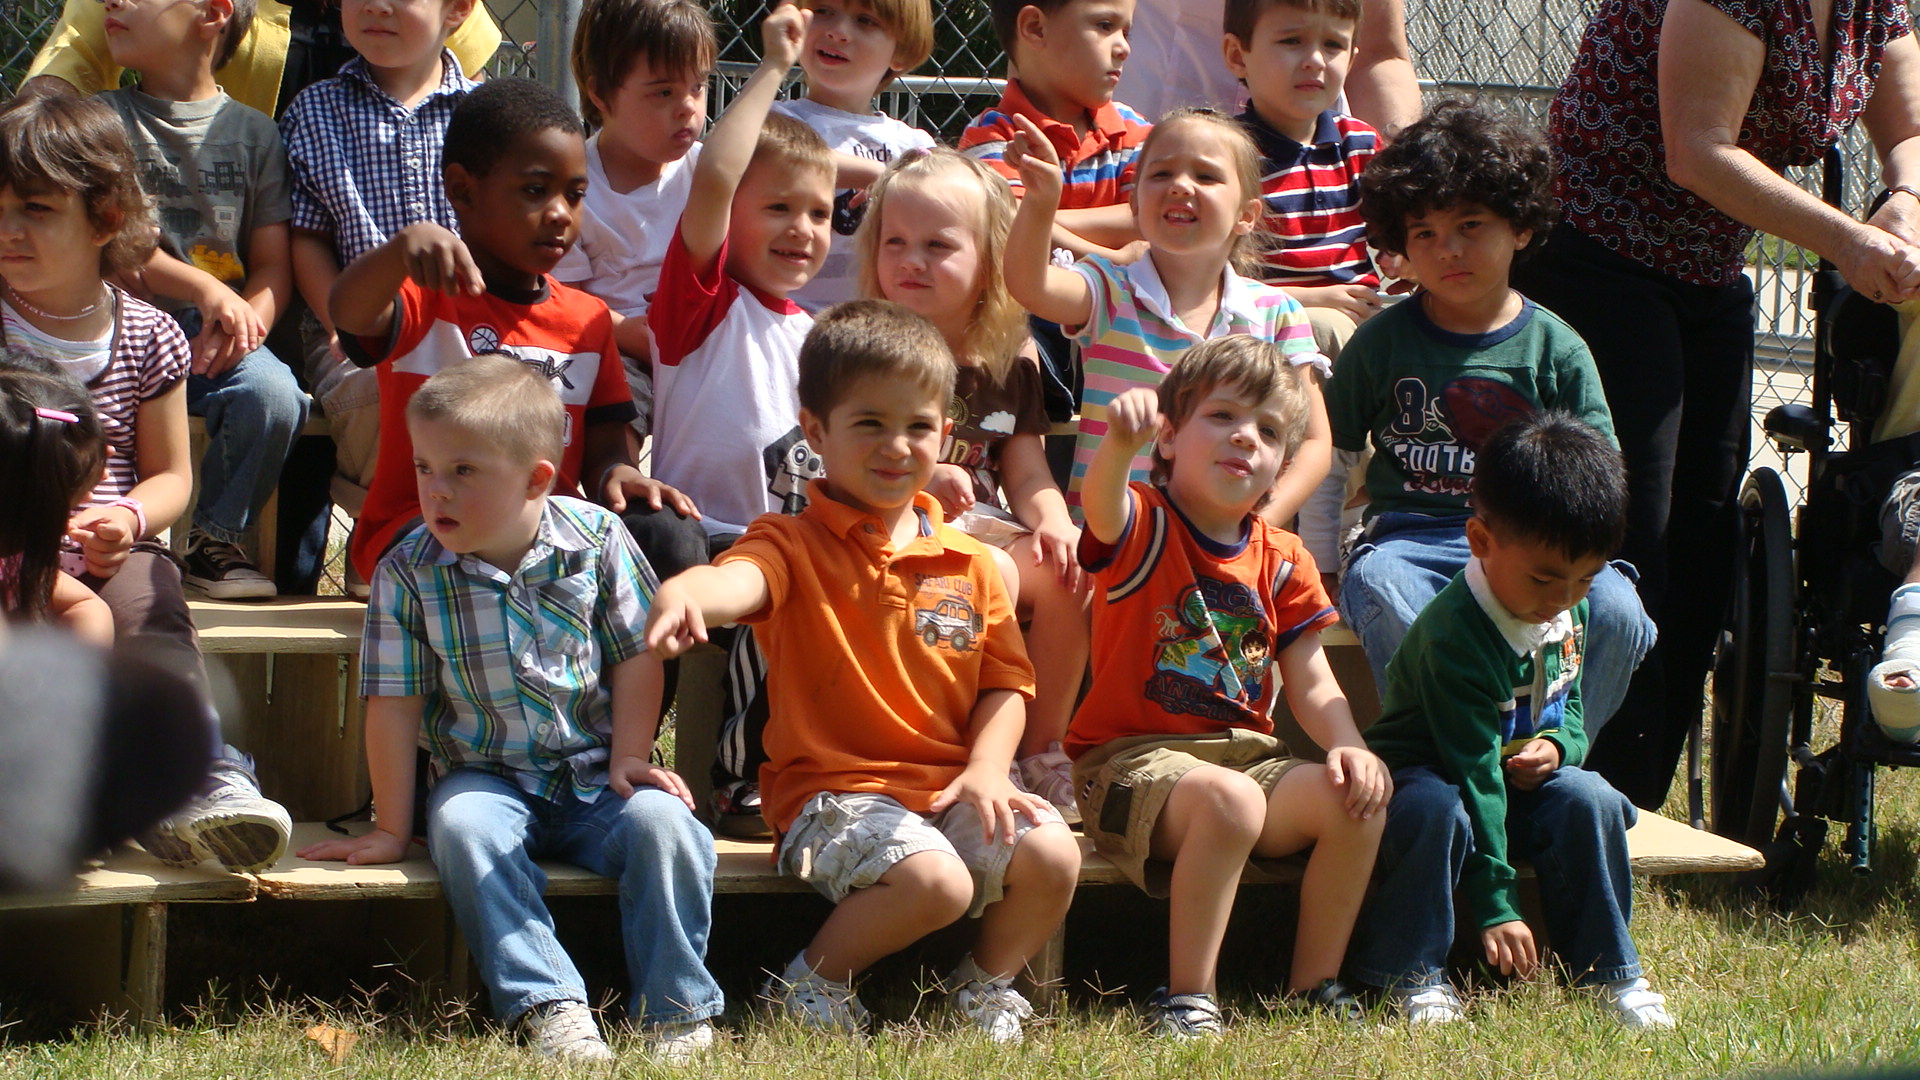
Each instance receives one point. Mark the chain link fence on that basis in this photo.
(1511, 54)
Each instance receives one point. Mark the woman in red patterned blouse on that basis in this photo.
(1671, 131)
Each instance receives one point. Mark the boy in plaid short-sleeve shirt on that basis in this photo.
(505, 636)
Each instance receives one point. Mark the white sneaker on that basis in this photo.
(1436, 1004)
(677, 1045)
(1635, 1005)
(564, 1031)
(1049, 774)
(815, 1001)
(230, 822)
(995, 1008)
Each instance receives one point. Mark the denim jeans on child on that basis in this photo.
(484, 834)
(1404, 560)
(254, 411)
(1573, 829)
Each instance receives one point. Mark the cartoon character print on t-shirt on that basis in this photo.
(791, 463)
(1435, 436)
(1213, 652)
(846, 212)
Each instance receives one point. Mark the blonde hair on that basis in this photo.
(909, 23)
(1251, 365)
(1246, 251)
(499, 398)
(993, 338)
(786, 143)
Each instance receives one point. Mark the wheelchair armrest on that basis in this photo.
(1796, 427)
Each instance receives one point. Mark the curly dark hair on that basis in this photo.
(1459, 152)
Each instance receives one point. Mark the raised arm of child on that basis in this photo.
(636, 684)
(702, 596)
(393, 731)
(1056, 295)
(1133, 419)
(999, 717)
(1320, 707)
(728, 150)
(364, 298)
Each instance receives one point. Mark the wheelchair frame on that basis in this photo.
(1804, 625)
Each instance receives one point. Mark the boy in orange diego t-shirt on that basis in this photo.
(1201, 611)
(899, 686)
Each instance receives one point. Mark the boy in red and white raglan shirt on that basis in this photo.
(426, 299)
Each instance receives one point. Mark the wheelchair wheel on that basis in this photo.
(1753, 670)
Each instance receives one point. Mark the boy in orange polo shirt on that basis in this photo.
(899, 686)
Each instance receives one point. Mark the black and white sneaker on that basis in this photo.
(223, 572)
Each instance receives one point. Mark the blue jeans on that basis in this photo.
(1573, 829)
(484, 833)
(254, 412)
(1406, 559)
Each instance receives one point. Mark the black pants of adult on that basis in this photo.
(1676, 360)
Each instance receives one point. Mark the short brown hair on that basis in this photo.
(1253, 366)
(999, 326)
(237, 26)
(1006, 19)
(501, 399)
(65, 142)
(790, 143)
(673, 36)
(862, 338)
(909, 23)
(1246, 251)
(1241, 15)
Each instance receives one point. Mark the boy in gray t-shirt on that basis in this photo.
(216, 174)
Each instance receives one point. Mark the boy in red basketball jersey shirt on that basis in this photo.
(515, 173)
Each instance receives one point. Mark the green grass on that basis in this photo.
(1755, 990)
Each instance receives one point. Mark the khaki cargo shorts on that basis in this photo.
(1124, 784)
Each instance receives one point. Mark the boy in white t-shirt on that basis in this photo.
(854, 48)
(642, 67)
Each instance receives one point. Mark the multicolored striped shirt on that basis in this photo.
(1135, 336)
(511, 664)
(1312, 192)
(1098, 168)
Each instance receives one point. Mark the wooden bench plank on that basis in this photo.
(286, 624)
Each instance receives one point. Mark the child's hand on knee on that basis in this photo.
(1369, 785)
(991, 793)
(629, 773)
(1510, 948)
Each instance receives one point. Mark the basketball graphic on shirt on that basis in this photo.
(483, 339)
(1474, 408)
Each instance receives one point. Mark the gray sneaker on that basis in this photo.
(233, 823)
(995, 1008)
(1436, 1004)
(815, 1001)
(565, 1032)
(1184, 1016)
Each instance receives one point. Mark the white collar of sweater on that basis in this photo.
(1524, 638)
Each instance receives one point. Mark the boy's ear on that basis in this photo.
(454, 12)
(814, 428)
(1030, 25)
(1163, 438)
(459, 184)
(540, 478)
(592, 93)
(1236, 55)
(214, 18)
(1479, 537)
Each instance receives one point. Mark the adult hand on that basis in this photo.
(1879, 264)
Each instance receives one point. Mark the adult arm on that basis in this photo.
(1709, 68)
(1382, 88)
(1892, 118)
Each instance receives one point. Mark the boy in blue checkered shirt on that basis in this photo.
(505, 635)
(363, 149)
